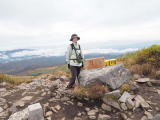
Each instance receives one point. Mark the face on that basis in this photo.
(74, 40)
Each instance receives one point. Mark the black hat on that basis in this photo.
(74, 36)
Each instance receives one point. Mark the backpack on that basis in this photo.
(79, 58)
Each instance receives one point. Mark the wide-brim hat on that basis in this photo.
(74, 36)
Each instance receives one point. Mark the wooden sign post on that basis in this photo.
(95, 63)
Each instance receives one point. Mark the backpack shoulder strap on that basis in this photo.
(79, 47)
(72, 46)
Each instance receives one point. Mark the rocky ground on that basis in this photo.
(141, 102)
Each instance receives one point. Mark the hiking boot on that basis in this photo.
(67, 88)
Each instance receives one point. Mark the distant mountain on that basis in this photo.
(16, 67)
(20, 60)
(26, 54)
(9, 55)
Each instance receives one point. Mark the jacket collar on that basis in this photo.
(75, 43)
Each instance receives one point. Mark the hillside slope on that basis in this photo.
(145, 62)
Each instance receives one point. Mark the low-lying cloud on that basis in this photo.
(60, 52)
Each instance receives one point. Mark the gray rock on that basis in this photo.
(115, 93)
(139, 99)
(49, 113)
(158, 91)
(113, 76)
(123, 106)
(134, 87)
(49, 92)
(156, 117)
(123, 116)
(5, 106)
(78, 118)
(63, 118)
(57, 107)
(87, 109)
(65, 99)
(157, 108)
(130, 104)
(43, 94)
(143, 80)
(149, 115)
(63, 78)
(129, 119)
(144, 118)
(56, 84)
(4, 115)
(79, 104)
(21, 115)
(4, 84)
(2, 100)
(13, 109)
(79, 114)
(3, 90)
(46, 105)
(111, 102)
(20, 103)
(1, 109)
(92, 112)
(124, 97)
(92, 117)
(106, 107)
(35, 112)
(149, 84)
(27, 98)
(49, 118)
(103, 117)
(54, 110)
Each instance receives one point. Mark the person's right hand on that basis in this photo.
(68, 66)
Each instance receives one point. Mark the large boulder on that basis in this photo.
(113, 76)
(21, 115)
(156, 117)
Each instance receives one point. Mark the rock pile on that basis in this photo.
(46, 98)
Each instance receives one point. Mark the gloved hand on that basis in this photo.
(82, 64)
(68, 66)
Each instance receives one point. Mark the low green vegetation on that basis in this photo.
(144, 62)
(45, 70)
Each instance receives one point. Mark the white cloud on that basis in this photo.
(61, 52)
(37, 23)
(110, 51)
(39, 52)
(3, 56)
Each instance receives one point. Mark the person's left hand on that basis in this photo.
(82, 65)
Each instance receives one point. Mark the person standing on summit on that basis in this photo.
(74, 59)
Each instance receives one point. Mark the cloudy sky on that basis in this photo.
(100, 23)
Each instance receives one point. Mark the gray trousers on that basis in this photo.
(75, 71)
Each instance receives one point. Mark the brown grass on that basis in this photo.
(61, 73)
(124, 87)
(144, 62)
(15, 80)
(144, 69)
(95, 91)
